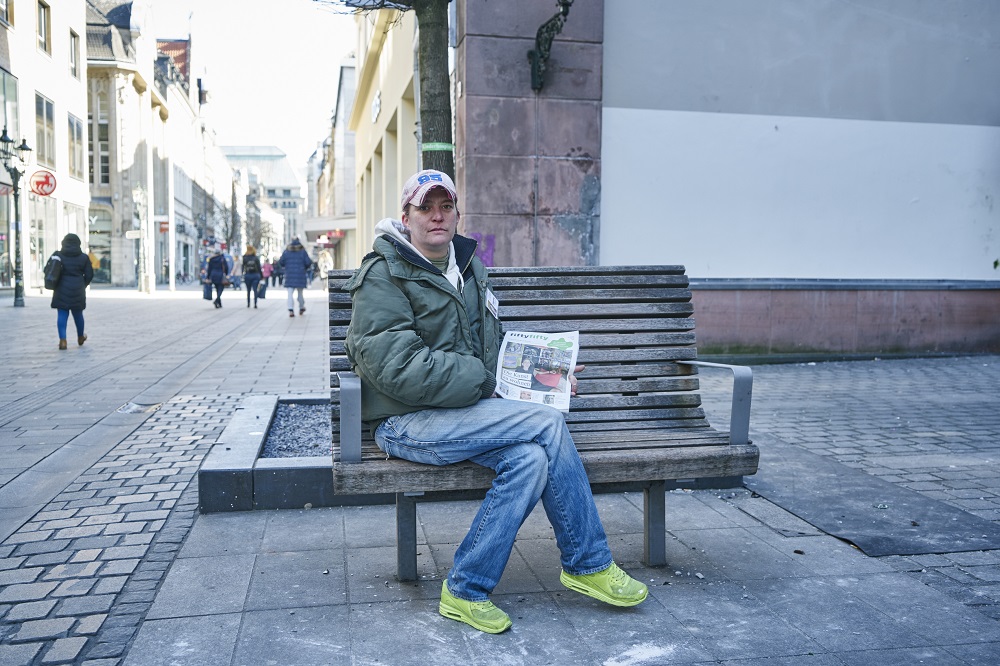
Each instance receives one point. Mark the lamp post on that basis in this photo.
(139, 201)
(11, 156)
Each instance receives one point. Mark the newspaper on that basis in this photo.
(535, 367)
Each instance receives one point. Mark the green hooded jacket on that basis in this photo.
(415, 341)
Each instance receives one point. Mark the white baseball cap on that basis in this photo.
(422, 182)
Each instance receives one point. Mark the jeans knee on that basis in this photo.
(529, 463)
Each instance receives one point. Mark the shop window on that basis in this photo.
(100, 245)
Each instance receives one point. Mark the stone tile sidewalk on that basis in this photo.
(105, 561)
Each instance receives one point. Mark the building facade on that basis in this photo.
(43, 88)
(802, 160)
(161, 190)
(280, 188)
(331, 223)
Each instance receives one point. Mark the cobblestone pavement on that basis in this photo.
(930, 424)
(99, 446)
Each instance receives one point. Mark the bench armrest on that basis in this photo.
(739, 419)
(350, 417)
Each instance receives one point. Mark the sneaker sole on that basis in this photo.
(452, 614)
(597, 594)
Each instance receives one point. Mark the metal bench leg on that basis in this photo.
(654, 524)
(406, 537)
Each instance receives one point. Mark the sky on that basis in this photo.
(270, 67)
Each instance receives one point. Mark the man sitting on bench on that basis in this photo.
(424, 338)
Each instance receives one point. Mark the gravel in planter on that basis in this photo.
(299, 431)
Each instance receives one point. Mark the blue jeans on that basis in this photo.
(533, 454)
(62, 318)
(291, 298)
(252, 279)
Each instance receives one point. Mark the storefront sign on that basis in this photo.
(43, 183)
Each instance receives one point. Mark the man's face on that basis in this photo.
(432, 224)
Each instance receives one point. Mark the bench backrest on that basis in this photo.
(634, 323)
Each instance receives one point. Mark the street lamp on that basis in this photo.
(11, 156)
(139, 201)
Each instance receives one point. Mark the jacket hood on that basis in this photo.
(71, 244)
(399, 235)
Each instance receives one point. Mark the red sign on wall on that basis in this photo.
(43, 183)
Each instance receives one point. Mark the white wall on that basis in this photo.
(735, 195)
(790, 139)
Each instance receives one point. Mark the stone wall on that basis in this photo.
(543, 149)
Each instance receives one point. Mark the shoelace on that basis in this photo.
(618, 577)
(483, 606)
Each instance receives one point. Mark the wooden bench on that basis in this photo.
(637, 418)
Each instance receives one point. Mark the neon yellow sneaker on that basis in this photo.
(482, 615)
(612, 586)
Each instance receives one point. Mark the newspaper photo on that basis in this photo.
(535, 367)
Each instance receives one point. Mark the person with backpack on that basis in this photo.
(252, 273)
(68, 273)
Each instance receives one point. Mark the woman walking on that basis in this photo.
(295, 262)
(251, 273)
(216, 274)
(70, 294)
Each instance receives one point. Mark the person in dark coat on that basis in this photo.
(295, 262)
(216, 272)
(70, 294)
(252, 273)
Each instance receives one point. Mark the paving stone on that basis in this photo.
(34, 630)
(25, 575)
(106, 651)
(87, 605)
(26, 592)
(64, 650)
(73, 587)
(73, 570)
(28, 537)
(110, 585)
(32, 610)
(11, 562)
(90, 624)
(18, 654)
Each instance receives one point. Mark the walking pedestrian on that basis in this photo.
(424, 338)
(216, 272)
(278, 276)
(70, 293)
(295, 262)
(252, 272)
(266, 270)
(236, 274)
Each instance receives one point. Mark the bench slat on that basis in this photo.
(396, 476)
(591, 294)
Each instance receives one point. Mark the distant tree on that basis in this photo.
(435, 82)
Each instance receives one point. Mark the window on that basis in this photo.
(45, 131)
(44, 27)
(75, 147)
(100, 161)
(8, 93)
(7, 11)
(74, 54)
